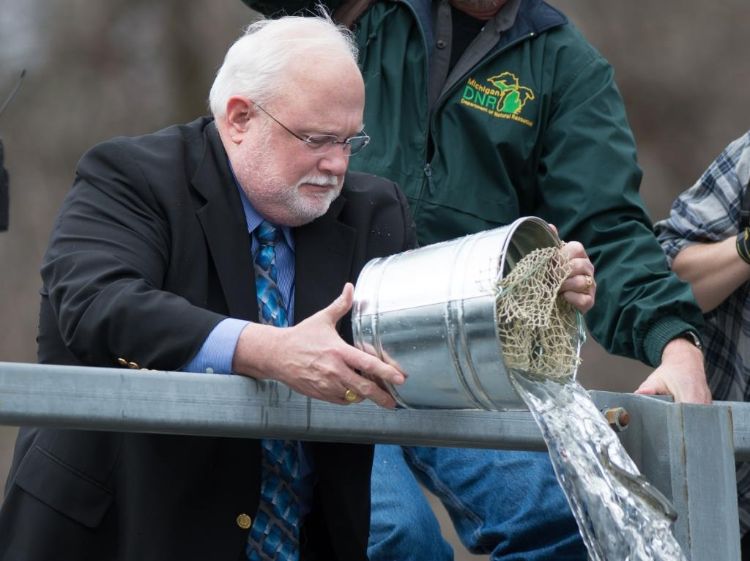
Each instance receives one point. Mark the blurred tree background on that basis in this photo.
(100, 69)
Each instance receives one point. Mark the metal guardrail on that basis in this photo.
(686, 451)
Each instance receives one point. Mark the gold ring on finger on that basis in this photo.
(589, 281)
(350, 396)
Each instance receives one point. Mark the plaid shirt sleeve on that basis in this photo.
(709, 211)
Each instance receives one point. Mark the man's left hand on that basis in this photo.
(681, 374)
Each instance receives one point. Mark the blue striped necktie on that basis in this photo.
(274, 535)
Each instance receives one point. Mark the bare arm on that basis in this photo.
(313, 360)
(714, 270)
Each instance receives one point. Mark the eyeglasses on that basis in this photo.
(322, 142)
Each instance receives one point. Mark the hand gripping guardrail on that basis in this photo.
(686, 451)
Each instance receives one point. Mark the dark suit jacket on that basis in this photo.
(151, 251)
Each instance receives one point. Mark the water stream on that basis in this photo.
(620, 515)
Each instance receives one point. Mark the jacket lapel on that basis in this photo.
(224, 227)
(323, 252)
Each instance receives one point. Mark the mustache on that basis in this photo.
(320, 180)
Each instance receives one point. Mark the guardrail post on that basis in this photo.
(687, 452)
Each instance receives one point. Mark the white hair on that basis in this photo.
(254, 65)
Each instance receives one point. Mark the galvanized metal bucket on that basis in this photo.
(431, 311)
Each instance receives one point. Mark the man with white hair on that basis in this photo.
(224, 245)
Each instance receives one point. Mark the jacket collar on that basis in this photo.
(224, 226)
(533, 16)
(422, 10)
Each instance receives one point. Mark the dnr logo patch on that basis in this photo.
(505, 100)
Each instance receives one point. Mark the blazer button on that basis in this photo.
(244, 521)
(122, 362)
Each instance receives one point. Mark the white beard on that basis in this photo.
(280, 202)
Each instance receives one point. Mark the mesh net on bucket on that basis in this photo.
(538, 330)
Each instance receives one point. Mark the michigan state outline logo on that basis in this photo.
(504, 100)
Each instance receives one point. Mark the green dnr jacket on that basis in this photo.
(532, 124)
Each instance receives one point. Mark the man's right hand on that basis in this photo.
(312, 359)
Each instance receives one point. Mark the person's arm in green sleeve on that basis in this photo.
(588, 187)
